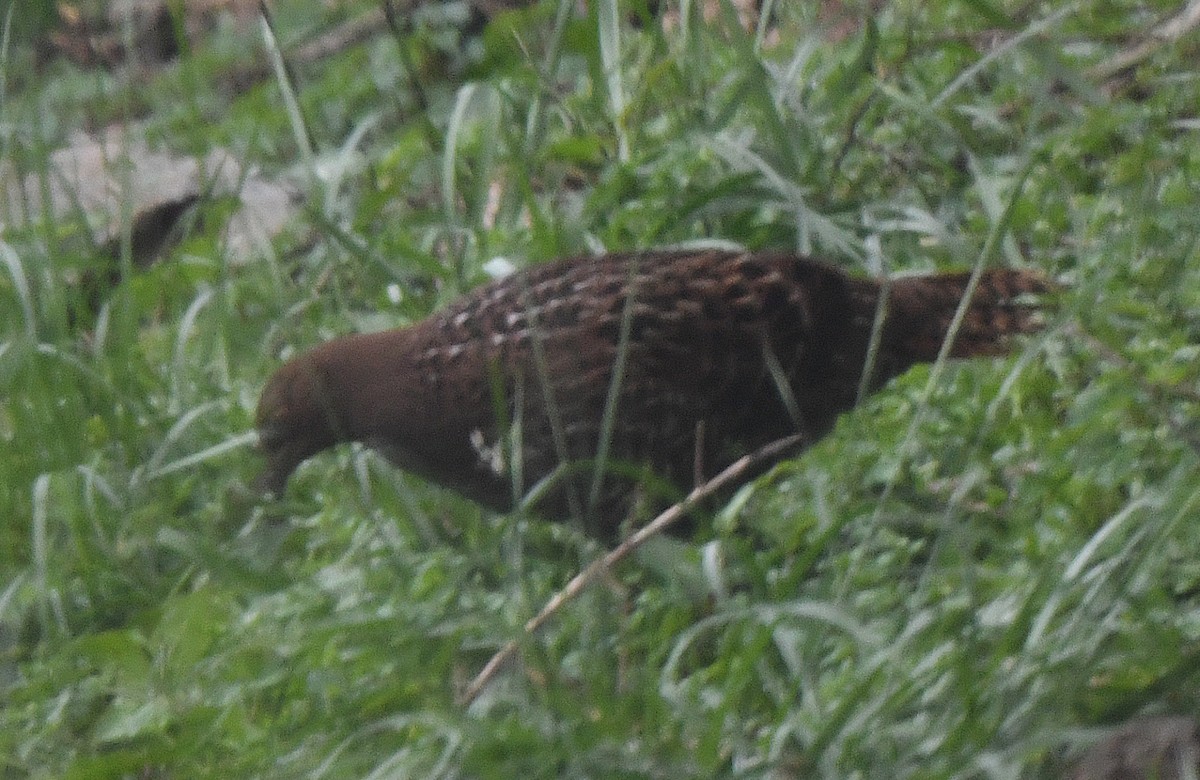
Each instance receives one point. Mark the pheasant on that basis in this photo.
(579, 378)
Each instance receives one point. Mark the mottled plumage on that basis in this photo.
(717, 351)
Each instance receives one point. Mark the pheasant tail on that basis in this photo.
(921, 310)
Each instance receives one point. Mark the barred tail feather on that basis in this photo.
(921, 310)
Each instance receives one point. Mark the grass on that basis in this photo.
(973, 570)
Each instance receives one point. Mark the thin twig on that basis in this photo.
(734, 472)
(1164, 34)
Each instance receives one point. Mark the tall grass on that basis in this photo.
(974, 569)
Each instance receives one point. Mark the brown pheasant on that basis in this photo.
(671, 362)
